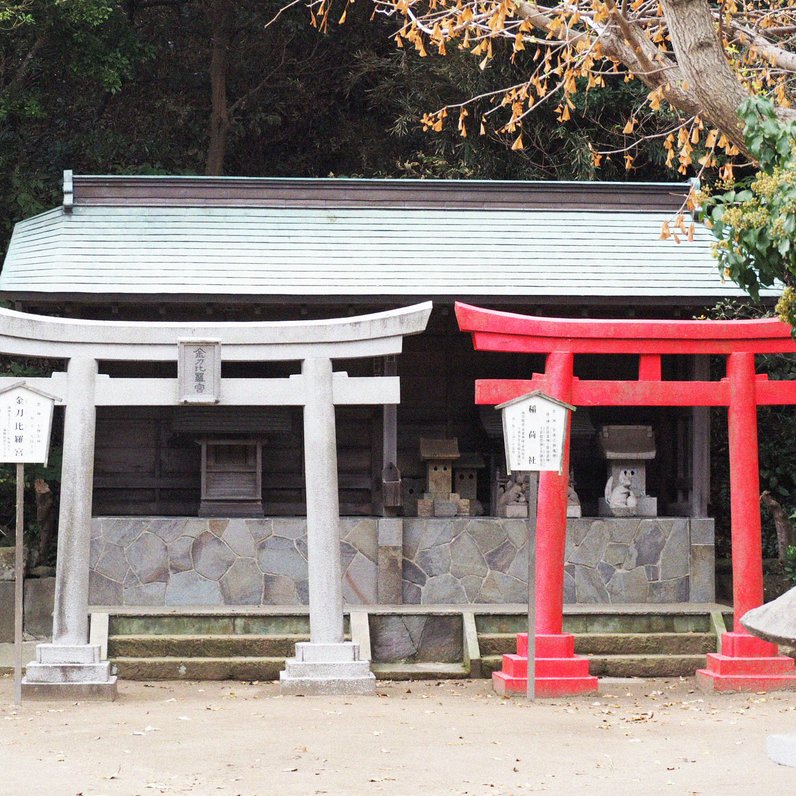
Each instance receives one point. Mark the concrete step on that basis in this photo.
(623, 665)
(420, 671)
(218, 645)
(614, 643)
(189, 668)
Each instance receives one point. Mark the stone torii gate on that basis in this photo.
(745, 663)
(70, 666)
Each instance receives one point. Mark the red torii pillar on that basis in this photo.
(745, 663)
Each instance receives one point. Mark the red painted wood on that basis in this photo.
(745, 662)
(649, 367)
(485, 341)
(782, 393)
(745, 531)
(616, 393)
(551, 528)
(508, 331)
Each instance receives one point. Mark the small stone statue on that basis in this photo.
(621, 495)
(573, 501)
(512, 492)
(512, 499)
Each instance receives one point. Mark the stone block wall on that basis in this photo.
(192, 561)
(608, 560)
(189, 561)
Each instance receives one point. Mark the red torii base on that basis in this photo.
(745, 663)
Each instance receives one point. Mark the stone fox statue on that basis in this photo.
(46, 517)
(620, 494)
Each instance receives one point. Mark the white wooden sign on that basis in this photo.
(199, 371)
(534, 432)
(25, 421)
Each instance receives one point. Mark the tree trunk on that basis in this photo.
(46, 518)
(782, 524)
(219, 15)
(703, 64)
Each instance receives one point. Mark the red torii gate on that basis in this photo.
(745, 662)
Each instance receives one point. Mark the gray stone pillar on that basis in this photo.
(326, 664)
(70, 667)
(323, 504)
(70, 618)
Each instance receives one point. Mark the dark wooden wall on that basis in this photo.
(144, 466)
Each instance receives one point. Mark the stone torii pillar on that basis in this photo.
(70, 667)
(326, 664)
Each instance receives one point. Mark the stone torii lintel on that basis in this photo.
(375, 334)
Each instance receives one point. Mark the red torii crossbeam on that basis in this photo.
(745, 663)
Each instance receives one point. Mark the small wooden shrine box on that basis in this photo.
(231, 478)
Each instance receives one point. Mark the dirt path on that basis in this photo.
(637, 737)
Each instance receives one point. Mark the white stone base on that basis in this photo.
(782, 749)
(327, 669)
(67, 671)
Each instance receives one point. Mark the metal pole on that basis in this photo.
(533, 485)
(19, 574)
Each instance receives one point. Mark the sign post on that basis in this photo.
(25, 423)
(534, 435)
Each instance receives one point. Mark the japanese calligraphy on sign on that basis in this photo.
(199, 371)
(25, 422)
(534, 432)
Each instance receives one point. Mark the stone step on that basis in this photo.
(420, 671)
(614, 643)
(198, 624)
(623, 665)
(174, 668)
(645, 665)
(607, 622)
(645, 643)
(218, 645)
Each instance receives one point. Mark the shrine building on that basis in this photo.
(203, 502)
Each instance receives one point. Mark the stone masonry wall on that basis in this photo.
(628, 560)
(189, 561)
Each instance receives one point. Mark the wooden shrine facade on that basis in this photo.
(237, 249)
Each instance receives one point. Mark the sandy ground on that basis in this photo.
(636, 737)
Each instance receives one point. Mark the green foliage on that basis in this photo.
(789, 565)
(122, 86)
(755, 221)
